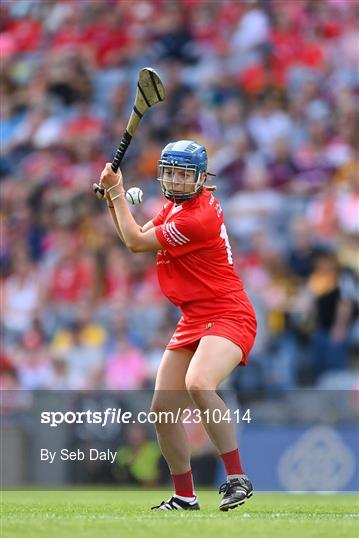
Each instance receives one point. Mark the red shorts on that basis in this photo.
(239, 325)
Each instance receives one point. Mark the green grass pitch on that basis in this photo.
(127, 514)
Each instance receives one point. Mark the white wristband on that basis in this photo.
(117, 196)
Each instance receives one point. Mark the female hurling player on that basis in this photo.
(218, 326)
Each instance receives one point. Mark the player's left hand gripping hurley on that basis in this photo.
(149, 92)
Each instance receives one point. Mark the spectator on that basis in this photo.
(333, 313)
(255, 207)
(22, 298)
(126, 368)
(81, 346)
(303, 248)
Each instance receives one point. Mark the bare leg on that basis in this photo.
(212, 362)
(171, 395)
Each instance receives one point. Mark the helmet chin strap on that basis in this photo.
(181, 197)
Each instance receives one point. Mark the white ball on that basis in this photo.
(134, 195)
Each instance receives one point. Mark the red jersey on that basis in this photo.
(195, 266)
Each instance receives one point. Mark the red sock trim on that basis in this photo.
(232, 462)
(183, 484)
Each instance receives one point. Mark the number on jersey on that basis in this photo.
(224, 235)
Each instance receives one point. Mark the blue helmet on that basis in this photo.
(187, 156)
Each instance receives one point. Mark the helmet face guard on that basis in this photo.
(180, 170)
(179, 182)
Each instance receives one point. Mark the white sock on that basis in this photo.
(186, 499)
(235, 476)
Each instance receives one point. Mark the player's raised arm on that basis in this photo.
(136, 238)
(111, 209)
(146, 227)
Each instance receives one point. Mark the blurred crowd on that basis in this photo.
(271, 88)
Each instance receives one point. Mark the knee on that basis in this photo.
(197, 384)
